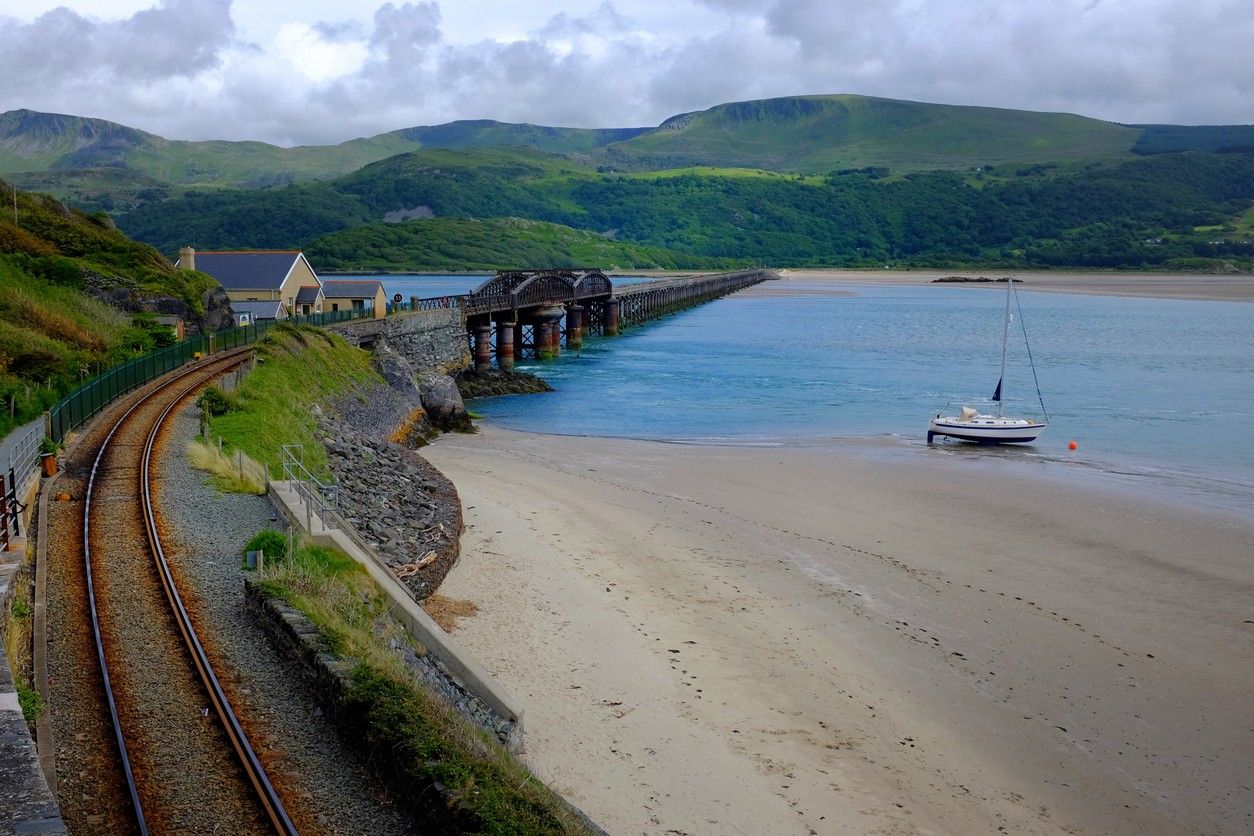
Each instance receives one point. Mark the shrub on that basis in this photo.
(215, 401)
(272, 543)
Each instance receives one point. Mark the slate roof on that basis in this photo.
(249, 270)
(350, 288)
(307, 295)
(267, 309)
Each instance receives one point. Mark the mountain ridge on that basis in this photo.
(812, 134)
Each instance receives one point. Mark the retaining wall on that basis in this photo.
(429, 339)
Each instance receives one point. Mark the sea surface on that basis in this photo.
(1159, 393)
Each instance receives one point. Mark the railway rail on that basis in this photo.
(182, 770)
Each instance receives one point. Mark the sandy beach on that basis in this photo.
(832, 640)
(1224, 288)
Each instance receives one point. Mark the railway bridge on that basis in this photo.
(517, 313)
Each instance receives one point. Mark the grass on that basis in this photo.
(297, 368)
(415, 738)
(233, 474)
(17, 634)
(53, 333)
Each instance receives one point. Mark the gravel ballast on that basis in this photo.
(207, 531)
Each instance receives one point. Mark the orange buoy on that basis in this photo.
(1071, 445)
(63, 497)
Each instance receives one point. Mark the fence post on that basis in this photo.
(48, 424)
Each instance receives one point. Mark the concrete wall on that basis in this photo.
(434, 339)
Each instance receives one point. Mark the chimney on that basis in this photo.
(187, 259)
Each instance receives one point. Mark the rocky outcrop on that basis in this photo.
(433, 402)
(124, 294)
(484, 383)
(443, 403)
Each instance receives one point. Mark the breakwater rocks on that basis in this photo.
(407, 511)
(483, 383)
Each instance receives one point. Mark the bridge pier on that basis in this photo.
(505, 345)
(574, 325)
(610, 326)
(549, 341)
(483, 346)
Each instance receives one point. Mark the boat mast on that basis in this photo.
(1005, 335)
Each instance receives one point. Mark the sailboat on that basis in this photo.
(972, 425)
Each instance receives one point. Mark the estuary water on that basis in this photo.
(1158, 392)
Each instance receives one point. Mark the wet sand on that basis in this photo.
(826, 640)
(1231, 288)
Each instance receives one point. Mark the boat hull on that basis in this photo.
(982, 431)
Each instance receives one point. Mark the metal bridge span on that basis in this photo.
(536, 312)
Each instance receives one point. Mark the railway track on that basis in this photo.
(188, 764)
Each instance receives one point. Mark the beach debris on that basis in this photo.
(408, 571)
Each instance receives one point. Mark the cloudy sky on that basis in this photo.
(323, 71)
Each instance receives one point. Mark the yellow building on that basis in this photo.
(260, 276)
(355, 294)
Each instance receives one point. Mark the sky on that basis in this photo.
(321, 71)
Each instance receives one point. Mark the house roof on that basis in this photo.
(308, 294)
(248, 270)
(351, 288)
(266, 309)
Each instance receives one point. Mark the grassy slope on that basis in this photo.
(472, 244)
(825, 133)
(51, 332)
(297, 368)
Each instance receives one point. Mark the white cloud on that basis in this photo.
(322, 72)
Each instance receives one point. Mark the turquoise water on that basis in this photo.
(1147, 386)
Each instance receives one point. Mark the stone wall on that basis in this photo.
(429, 340)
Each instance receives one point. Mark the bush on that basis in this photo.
(215, 401)
(270, 542)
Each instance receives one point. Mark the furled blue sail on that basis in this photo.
(997, 392)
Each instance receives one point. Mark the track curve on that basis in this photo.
(181, 770)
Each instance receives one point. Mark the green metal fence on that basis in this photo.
(76, 408)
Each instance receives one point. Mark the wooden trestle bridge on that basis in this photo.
(535, 312)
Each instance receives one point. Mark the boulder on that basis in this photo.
(397, 371)
(443, 402)
(218, 313)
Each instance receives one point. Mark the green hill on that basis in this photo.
(60, 270)
(1144, 211)
(55, 143)
(826, 133)
(498, 243)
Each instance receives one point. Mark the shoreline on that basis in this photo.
(847, 643)
(1220, 495)
(1212, 287)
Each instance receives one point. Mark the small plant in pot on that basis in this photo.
(48, 452)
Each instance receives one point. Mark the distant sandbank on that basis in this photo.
(1229, 288)
(812, 640)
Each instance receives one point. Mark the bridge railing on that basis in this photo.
(428, 303)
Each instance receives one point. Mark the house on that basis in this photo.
(355, 294)
(309, 299)
(261, 276)
(250, 313)
(174, 323)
